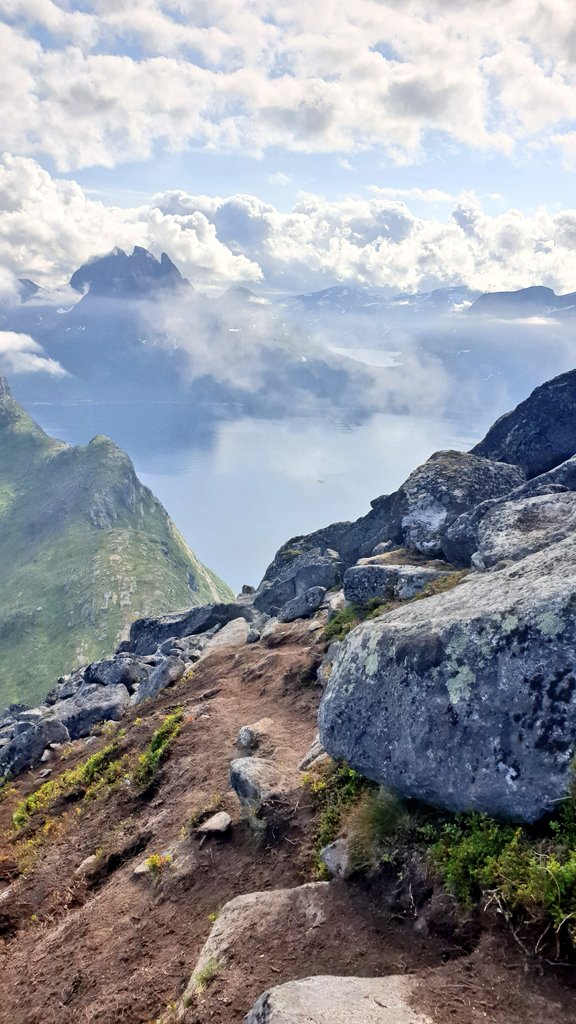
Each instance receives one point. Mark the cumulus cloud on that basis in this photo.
(49, 226)
(245, 75)
(19, 353)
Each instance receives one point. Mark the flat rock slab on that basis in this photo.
(364, 583)
(328, 1000)
(217, 824)
(232, 634)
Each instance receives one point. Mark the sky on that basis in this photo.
(289, 145)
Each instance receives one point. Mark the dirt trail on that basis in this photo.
(120, 949)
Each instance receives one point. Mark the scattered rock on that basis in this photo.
(232, 634)
(217, 824)
(146, 635)
(26, 748)
(302, 572)
(250, 736)
(315, 751)
(166, 674)
(90, 705)
(87, 866)
(466, 700)
(255, 781)
(336, 857)
(330, 1000)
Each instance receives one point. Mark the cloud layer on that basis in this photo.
(109, 82)
(19, 353)
(49, 226)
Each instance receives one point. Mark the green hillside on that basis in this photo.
(85, 548)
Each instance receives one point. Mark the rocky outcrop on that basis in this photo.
(146, 635)
(301, 573)
(466, 700)
(538, 434)
(25, 739)
(302, 607)
(329, 1000)
(90, 705)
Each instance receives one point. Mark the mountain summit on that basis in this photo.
(85, 548)
(118, 275)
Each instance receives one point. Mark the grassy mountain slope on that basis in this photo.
(85, 548)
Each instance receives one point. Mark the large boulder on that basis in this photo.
(146, 635)
(329, 1000)
(514, 529)
(301, 572)
(168, 672)
(255, 781)
(28, 744)
(540, 432)
(466, 700)
(447, 485)
(92, 704)
(303, 606)
(363, 583)
(112, 671)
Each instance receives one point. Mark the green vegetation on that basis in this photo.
(526, 873)
(442, 584)
(341, 623)
(157, 863)
(157, 749)
(102, 769)
(334, 789)
(85, 549)
(205, 975)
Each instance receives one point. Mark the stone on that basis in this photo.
(26, 748)
(332, 1000)
(216, 825)
(251, 915)
(466, 700)
(512, 530)
(383, 548)
(447, 485)
(87, 866)
(166, 674)
(255, 781)
(250, 736)
(92, 704)
(232, 634)
(315, 751)
(336, 857)
(146, 635)
(363, 583)
(303, 606)
(300, 573)
(538, 434)
(127, 671)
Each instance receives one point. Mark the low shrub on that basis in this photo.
(150, 760)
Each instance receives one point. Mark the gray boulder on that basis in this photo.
(514, 529)
(255, 781)
(165, 674)
(466, 700)
(113, 671)
(363, 583)
(26, 748)
(331, 1000)
(302, 607)
(146, 635)
(538, 434)
(90, 705)
(302, 572)
(435, 494)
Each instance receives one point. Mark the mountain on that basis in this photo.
(374, 302)
(121, 276)
(85, 548)
(526, 302)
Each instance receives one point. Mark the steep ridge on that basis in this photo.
(84, 547)
(208, 858)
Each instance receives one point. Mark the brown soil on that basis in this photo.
(113, 948)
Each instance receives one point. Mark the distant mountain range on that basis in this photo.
(526, 302)
(85, 548)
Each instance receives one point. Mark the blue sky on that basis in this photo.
(403, 144)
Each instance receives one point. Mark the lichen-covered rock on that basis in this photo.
(466, 700)
(330, 1000)
(364, 583)
(447, 485)
(514, 529)
(112, 671)
(303, 606)
(168, 672)
(538, 434)
(26, 747)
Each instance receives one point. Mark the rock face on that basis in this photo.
(364, 583)
(540, 433)
(329, 1000)
(146, 635)
(300, 573)
(92, 704)
(302, 607)
(466, 700)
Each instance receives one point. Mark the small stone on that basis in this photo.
(336, 857)
(87, 866)
(45, 772)
(217, 824)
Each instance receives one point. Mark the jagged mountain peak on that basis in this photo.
(119, 275)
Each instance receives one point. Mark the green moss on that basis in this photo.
(157, 749)
(334, 789)
(341, 623)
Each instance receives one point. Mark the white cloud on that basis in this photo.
(19, 353)
(244, 75)
(48, 227)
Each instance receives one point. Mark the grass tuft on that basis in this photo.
(156, 751)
